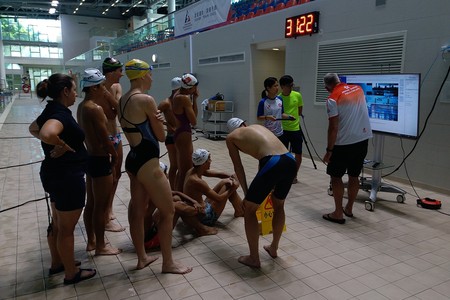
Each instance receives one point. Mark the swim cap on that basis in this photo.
(200, 156)
(92, 77)
(188, 81)
(136, 68)
(111, 64)
(234, 123)
(176, 83)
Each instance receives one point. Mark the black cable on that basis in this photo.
(17, 206)
(424, 126)
(307, 134)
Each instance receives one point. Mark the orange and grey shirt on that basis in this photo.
(348, 103)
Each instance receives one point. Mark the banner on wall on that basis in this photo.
(201, 15)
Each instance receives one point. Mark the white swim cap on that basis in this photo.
(92, 77)
(176, 83)
(200, 156)
(188, 81)
(234, 123)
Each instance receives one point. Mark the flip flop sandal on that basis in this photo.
(53, 271)
(77, 278)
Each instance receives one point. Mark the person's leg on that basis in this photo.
(252, 233)
(201, 229)
(298, 162)
(183, 144)
(117, 173)
(234, 198)
(52, 237)
(157, 186)
(337, 186)
(136, 213)
(67, 221)
(88, 215)
(277, 226)
(173, 167)
(352, 191)
(101, 189)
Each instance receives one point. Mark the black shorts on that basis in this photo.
(276, 172)
(99, 166)
(295, 138)
(67, 190)
(347, 158)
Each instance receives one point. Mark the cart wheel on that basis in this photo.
(330, 192)
(369, 205)
(401, 198)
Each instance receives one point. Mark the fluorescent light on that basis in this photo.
(52, 10)
(55, 3)
(276, 49)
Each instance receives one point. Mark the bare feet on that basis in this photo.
(207, 231)
(248, 261)
(108, 250)
(148, 260)
(110, 226)
(176, 268)
(272, 253)
(90, 246)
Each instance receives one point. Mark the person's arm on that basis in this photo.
(34, 129)
(156, 120)
(194, 101)
(188, 109)
(233, 151)
(101, 130)
(112, 104)
(333, 124)
(49, 134)
(216, 174)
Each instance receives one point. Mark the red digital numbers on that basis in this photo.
(305, 24)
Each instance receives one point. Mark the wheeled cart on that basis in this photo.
(215, 117)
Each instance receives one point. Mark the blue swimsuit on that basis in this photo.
(146, 150)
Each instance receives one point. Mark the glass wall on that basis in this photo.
(31, 30)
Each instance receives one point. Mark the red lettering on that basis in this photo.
(289, 30)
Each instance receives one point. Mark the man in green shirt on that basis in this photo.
(293, 106)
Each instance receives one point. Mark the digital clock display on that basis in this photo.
(305, 24)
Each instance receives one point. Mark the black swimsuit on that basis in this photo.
(146, 150)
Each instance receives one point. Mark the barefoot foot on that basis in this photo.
(90, 246)
(111, 227)
(107, 250)
(248, 261)
(145, 262)
(272, 253)
(207, 231)
(176, 268)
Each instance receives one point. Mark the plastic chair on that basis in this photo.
(291, 3)
(259, 12)
(269, 9)
(250, 15)
(241, 18)
(279, 6)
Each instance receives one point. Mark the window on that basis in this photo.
(382, 53)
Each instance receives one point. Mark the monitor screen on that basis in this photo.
(392, 101)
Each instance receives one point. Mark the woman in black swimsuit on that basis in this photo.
(143, 127)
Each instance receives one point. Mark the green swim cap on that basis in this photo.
(136, 68)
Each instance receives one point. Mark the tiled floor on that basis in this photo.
(399, 251)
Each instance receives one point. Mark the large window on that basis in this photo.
(31, 30)
(32, 51)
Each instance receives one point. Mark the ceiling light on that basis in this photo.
(276, 49)
(52, 10)
(55, 3)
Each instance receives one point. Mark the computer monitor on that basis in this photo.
(392, 101)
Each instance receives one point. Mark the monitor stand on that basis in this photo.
(374, 185)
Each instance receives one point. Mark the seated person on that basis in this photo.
(184, 206)
(216, 198)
